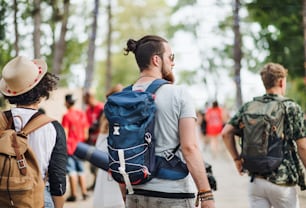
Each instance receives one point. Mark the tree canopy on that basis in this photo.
(282, 36)
(66, 26)
(281, 32)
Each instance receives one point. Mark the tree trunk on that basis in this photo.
(108, 81)
(36, 32)
(16, 43)
(304, 27)
(237, 53)
(60, 45)
(91, 49)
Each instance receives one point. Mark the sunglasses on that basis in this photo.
(171, 57)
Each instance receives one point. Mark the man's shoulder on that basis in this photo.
(176, 92)
(172, 88)
(289, 103)
(266, 98)
(246, 105)
(237, 116)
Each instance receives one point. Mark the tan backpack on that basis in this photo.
(21, 184)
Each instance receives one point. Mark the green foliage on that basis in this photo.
(3, 6)
(5, 53)
(182, 3)
(124, 71)
(76, 51)
(190, 24)
(131, 19)
(296, 89)
(188, 77)
(282, 32)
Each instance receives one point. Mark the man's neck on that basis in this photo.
(274, 90)
(148, 75)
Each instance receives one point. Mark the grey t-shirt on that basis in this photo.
(173, 103)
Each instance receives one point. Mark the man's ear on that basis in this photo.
(281, 82)
(155, 60)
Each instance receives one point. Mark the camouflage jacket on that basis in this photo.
(290, 172)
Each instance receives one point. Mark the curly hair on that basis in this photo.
(42, 90)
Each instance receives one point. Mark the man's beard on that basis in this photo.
(168, 75)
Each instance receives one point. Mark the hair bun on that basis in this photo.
(131, 45)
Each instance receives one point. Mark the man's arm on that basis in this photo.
(193, 157)
(301, 147)
(229, 141)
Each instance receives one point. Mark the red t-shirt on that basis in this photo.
(75, 122)
(93, 112)
(214, 121)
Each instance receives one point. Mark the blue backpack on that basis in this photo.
(131, 142)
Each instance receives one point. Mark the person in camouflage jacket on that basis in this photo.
(278, 188)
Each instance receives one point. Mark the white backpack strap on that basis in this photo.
(123, 173)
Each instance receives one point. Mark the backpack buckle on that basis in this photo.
(116, 129)
(21, 163)
(168, 155)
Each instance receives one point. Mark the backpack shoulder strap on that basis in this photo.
(267, 98)
(153, 87)
(128, 88)
(3, 121)
(36, 121)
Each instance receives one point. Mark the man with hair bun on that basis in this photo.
(175, 123)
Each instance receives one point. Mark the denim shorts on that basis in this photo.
(74, 165)
(48, 198)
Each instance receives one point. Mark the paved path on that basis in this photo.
(232, 188)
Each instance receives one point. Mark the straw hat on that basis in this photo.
(20, 75)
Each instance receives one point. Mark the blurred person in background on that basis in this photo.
(215, 121)
(75, 124)
(94, 110)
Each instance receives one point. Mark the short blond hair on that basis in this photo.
(271, 73)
